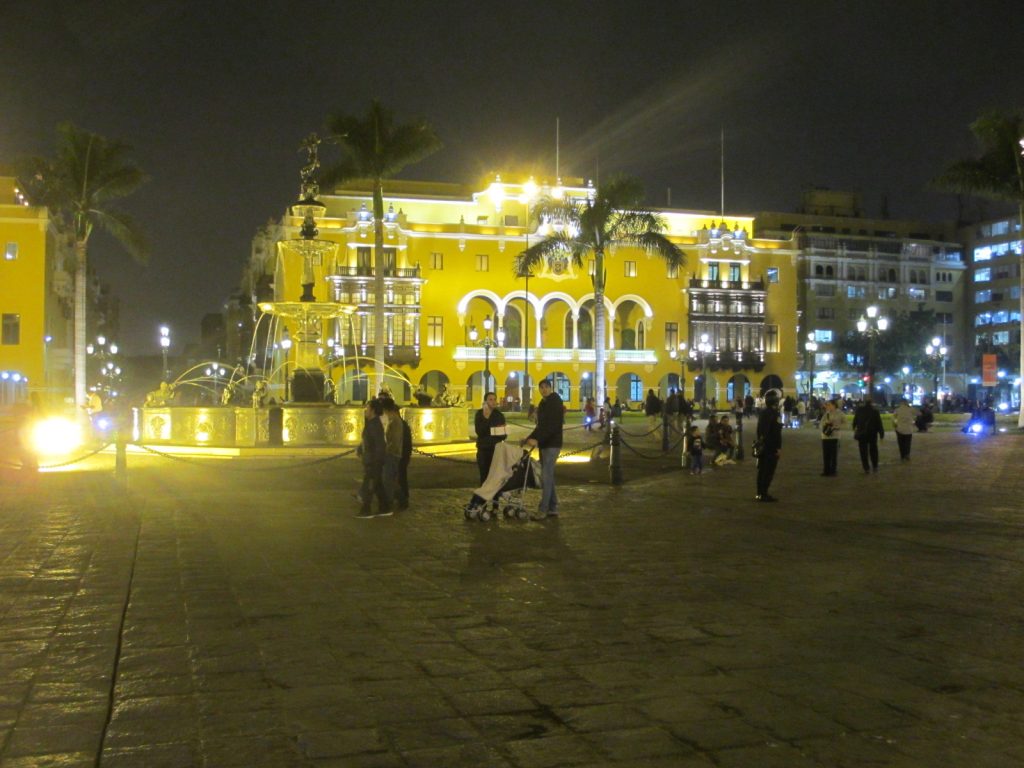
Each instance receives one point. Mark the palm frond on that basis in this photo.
(125, 230)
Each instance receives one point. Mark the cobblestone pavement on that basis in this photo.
(212, 617)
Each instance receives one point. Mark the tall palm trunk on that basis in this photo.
(599, 325)
(1020, 342)
(378, 286)
(81, 295)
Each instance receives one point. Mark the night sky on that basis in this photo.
(873, 97)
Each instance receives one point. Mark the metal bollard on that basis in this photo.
(614, 457)
(120, 458)
(664, 430)
(739, 435)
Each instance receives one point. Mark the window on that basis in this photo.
(1014, 291)
(984, 253)
(771, 338)
(437, 261)
(980, 297)
(1002, 316)
(943, 295)
(712, 270)
(773, 274)
(917, 294)
(11, 329)
(12, 252)
(1001, 337)
(824, 290)
(984, 318)
(672, 271)
(734, 273)
(855, 292)
(483, 262)
(390, 261)
(363, 261)
(630, 268)
(511, 220)
(825, 313)
(823, 335)
(887, 293)
(982, 275)
(435, 331)
(481, 220)
(636, 387)
(671, 335)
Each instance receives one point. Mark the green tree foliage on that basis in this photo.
(376, 149)
(613, 216)
(79, 185)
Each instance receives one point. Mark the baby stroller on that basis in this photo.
(512, 472)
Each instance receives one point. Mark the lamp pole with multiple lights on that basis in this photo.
(165, 342)
(936, 352)
(701, 351)
(812, 351)
(871, 326)
(487, 342)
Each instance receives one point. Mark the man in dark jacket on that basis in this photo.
(547, 436)
(867, 431)
(769, 431)
(373, 450)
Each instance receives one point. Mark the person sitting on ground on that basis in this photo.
(726, 439)
(712, 437)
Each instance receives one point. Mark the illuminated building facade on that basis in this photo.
(847, 262)
(36, 333)
(459, 318)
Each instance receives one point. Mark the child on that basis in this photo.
(696, 451)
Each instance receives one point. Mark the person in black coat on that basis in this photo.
(547, 436)
(867, 431)
(373, 451)
(769, 431)
(490, 429)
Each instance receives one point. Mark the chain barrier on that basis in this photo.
(444, 458)
(67, 463)
(639, 434)
(659, 455)
(191, 460)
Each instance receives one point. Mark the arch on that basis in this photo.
(477, 385)
(737, 386)
(771, 381)
(638, 300)
(829, 272)
(517, 296)
(433, 382)
(561, 384)
(586, 387)
(480, 293)
(510, 395)
(549, 298)
(819, 270)
(629, 387)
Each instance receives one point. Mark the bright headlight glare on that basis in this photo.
(55, 436)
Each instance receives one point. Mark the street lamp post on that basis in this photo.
(871, 326)
(906, 373)
(680, 353)
(812, 349)
(701, 353)
(286, 345)
(165, 342)
(487, 342)
(526, 198)
(936, 351)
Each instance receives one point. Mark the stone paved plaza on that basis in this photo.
(234, 613)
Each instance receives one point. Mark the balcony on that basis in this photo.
(726, 359)
(556, 355)
(399, 272)
(726, 285)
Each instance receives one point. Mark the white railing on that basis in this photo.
(556, 355)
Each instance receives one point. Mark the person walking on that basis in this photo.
(867, 431)
(373, 450)
(652, 410)
(547, 436)
(904, 419)
(831, 424)
(769, 434)
(489, 425)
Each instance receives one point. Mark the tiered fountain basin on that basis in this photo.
(301, 424)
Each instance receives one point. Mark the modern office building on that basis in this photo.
(993, 308)
(848, 261)
(721, 325)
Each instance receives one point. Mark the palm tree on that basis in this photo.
(997, 174)
(78, 185)
(614, 216)
(376, 149)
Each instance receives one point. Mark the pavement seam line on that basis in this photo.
(117, 649)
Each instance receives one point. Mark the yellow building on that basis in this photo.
(34, 336)
(455, 306)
